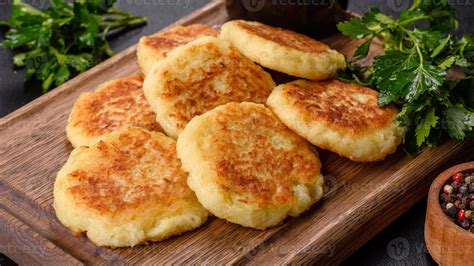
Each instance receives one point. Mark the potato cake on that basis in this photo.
(155, 47)
(247, 167)
(200, 76)
(117, 104)
(338, 116)
(126, 189)
(283, 50)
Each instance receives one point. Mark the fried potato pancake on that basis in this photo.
(283, 50)
(200, 76)
(338, 116)
(117, 104)
(155, 47)
(126, 189)
(247, 167)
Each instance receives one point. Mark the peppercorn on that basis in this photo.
(449, 198)
(457, 200)
(469, 214)
(458, 177)
(448, 189)
(469, 179)
(442, 197)
(465, 224)
(457, 203)
(455, 185)
(451, 209)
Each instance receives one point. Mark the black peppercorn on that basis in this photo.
(466, 224)
(442, 198)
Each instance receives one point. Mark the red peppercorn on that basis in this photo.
(458, 177)
(461, 215)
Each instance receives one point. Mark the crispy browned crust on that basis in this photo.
(121, 174)
(118, 103)
(248, 162)
(164, 42)
(285, 37)
(191, 97)
(335, 103)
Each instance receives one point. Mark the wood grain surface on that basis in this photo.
(362, 200)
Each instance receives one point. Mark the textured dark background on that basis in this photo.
(401, 243)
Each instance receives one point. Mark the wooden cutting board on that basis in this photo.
(363, 198)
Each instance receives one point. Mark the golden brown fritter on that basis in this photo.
(156, 47)
(126, 189)
(200, 76)
(347, 106)
(342, 117)
(284, 37)
(283, 50)
(114, 105)
(247, 167)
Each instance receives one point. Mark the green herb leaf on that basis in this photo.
(426, 77)
(62, 75)
(448, 62)
(441, 47)
(47, 82)
(419, 50)
(362, 50)
(426, 39)
(422, 131)
(19, 59)
(62, 40)
(459, 121)
(384, 19)
(353, 28)
(371, 18)
(80, 62)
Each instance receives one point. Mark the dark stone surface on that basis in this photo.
(401, 243)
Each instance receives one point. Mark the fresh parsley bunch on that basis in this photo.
(64, 39)
(424, 69)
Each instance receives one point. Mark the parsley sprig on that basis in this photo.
(425, 69)
(65, 39)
